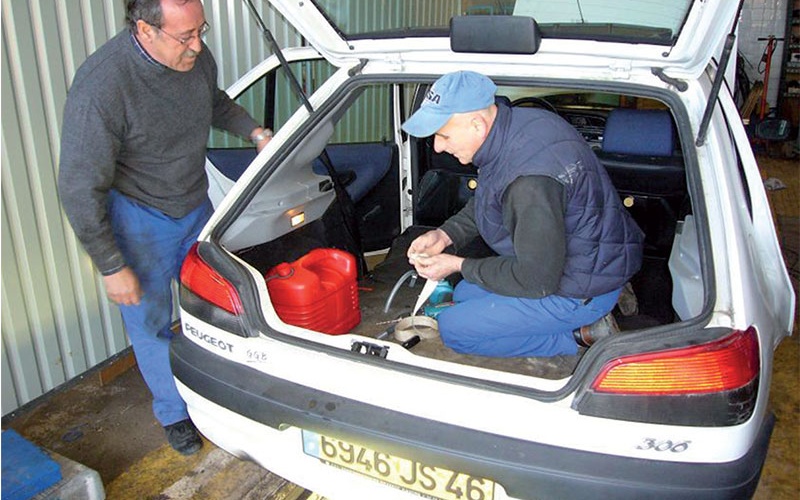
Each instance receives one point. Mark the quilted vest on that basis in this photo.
(603, 242)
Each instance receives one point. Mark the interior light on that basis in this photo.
(298, 219)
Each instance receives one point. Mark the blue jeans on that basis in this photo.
(489, 324)
(154, 246)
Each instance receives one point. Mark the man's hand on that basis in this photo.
(438, 267)
(428, 244)
(425, 254)
(123, 287)
(261, 137)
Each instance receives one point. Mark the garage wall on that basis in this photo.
(56, 321)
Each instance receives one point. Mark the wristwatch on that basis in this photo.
(260, 137)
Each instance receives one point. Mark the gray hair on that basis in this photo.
(148, 11)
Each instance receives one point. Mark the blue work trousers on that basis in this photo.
(154, 246)
(489, 324)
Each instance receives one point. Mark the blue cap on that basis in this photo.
(458, 92)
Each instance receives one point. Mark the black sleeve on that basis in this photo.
(533, 212)
(461, 227)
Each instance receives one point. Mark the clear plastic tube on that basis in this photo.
(412, 273)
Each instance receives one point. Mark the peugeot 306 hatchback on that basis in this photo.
(289, 297)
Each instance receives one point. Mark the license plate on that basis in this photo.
(429, 480)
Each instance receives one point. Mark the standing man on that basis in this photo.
(565, 245)
(132, 178)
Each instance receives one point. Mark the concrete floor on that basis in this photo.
(109, 427)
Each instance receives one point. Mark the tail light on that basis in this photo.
(724, 365)
(202, 280)
(714, 383)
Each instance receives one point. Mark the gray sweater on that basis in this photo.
(141, 128)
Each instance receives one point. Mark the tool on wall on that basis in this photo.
(764, 67)
(769, 129)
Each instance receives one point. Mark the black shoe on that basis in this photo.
(589, 334)
(183, 437)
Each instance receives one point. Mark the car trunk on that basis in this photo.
(650, 178)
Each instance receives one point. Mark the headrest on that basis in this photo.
(644, 132)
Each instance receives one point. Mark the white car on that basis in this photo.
(674, 406)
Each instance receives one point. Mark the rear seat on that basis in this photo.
(644, 162)
(361, 166)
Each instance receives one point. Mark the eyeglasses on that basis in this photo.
(185, 40)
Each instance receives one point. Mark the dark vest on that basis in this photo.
(604, 244)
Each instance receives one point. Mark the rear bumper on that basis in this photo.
(524, 469)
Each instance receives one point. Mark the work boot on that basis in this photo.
(627, 302)
(183, 437)
(587, 335)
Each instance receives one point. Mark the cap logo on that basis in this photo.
(433, 97)
(453, 93)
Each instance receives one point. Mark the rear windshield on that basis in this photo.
(638, 21)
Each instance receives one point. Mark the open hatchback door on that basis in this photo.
(681, 37)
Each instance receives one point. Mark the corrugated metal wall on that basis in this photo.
(56, 321)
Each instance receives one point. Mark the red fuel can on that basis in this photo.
(318, 291)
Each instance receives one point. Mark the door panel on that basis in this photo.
(360, 149)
